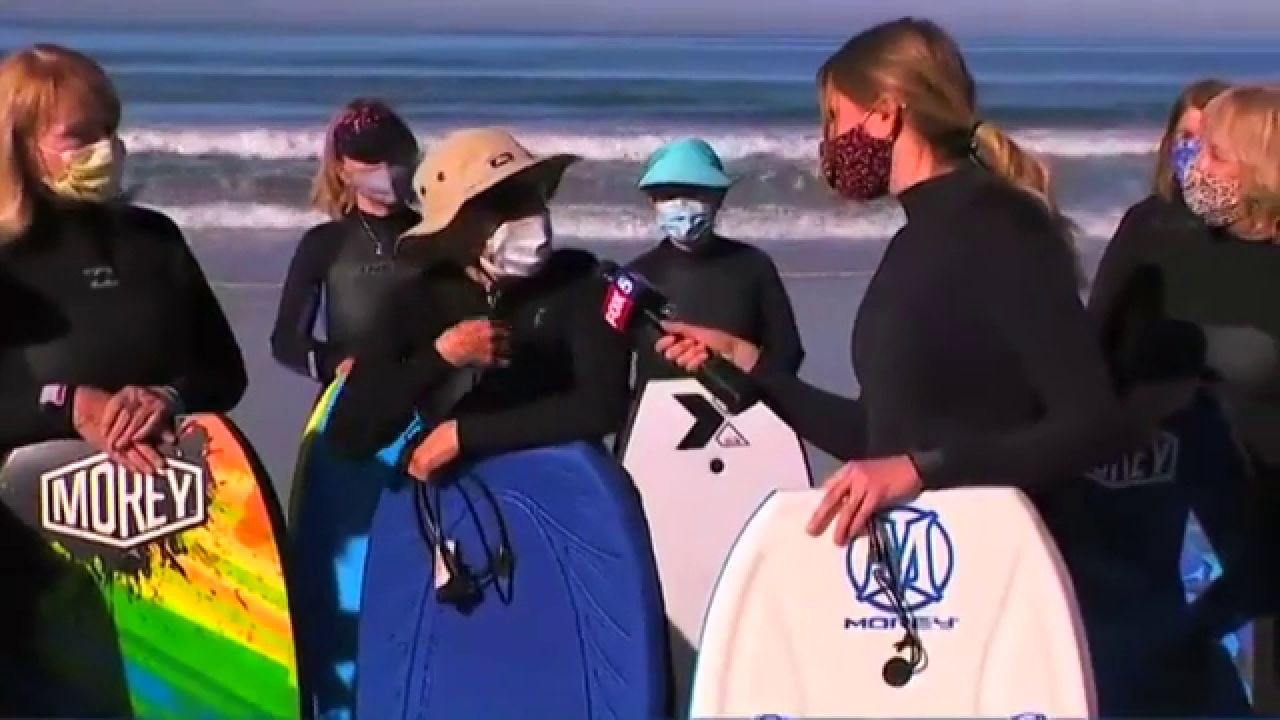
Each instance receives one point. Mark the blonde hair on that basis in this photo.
(37, 84)
(1193, 97)
(1247, 121)
(330, 191)
(921, 66)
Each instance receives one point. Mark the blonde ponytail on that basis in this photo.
(1004, 157)
(1022, 169)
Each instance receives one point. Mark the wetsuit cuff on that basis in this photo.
(470, 431)
(172, 397)
(429, 361)
(930, 465)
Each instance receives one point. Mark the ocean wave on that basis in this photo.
(625, 223)
(621, 144)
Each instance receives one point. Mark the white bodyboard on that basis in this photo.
(798, 627)
(700, 475)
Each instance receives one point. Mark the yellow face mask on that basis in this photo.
(92, 173)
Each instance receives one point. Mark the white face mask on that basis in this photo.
(518, 248)
(685, 221)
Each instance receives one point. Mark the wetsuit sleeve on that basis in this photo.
(833, 423)
(780, 347)
(1024, 280)
(395, 365)
(215, 377)
(293, 341)
(594, 407)
(26, 421)
(1117, 265)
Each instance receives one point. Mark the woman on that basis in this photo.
(712, 280)
(1212, 262)
(493, 296)
(361, 186)
(1182, 136)
(977, 362)
(110, 328)
(1177, 150)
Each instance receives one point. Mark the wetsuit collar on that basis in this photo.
(925, 197)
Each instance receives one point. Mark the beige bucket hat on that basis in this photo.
(468, 162)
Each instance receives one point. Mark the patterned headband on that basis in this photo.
(369, 132)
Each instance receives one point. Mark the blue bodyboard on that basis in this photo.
(578, 631)
(329, 538)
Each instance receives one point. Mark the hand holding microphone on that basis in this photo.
(634, 307)
(689, 346)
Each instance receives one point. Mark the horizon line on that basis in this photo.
(275, 26)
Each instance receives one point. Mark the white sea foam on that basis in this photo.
(795, 144)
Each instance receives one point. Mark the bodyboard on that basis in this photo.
(151, 596)
(577, 629)
(798, 627)
(697, 467)
(334, 500)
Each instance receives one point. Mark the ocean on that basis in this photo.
(224, 127)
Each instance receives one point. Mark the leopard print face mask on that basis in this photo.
(1215, 200)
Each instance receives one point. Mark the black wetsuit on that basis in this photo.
(104, 298)
(976, 356)
(726, 285)
(1164, 257)
(349, 264)
(567, 379)
(108, 299)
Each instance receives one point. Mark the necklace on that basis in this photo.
(375, 237)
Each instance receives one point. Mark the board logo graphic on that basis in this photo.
(618, 302)
(101, 502)
(921, 558)
(708, 424)
(1154, 464)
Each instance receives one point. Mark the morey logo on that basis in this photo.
(708, 424)
(921, 559)
(1155, 464)
(101, 502)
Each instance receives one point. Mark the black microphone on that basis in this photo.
(634, 307)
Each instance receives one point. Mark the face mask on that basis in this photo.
(1182, 157)
(518, 248)
(856, 165)
(1215, 200)
(378, 184)
(685, 221)
(92, 173)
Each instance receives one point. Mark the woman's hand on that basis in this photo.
(480, 342)
(125, 425)
(860, 488)
(688, 347)
(437, 449)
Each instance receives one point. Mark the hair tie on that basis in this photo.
(974, 148)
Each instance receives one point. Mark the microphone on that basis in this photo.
(636, 308)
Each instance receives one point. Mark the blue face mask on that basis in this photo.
(1183, 156)
(685, 221)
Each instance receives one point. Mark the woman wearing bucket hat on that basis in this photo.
(492, 294)
(362, 186)
(712, 280)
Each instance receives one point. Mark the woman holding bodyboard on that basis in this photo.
(977, 361)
